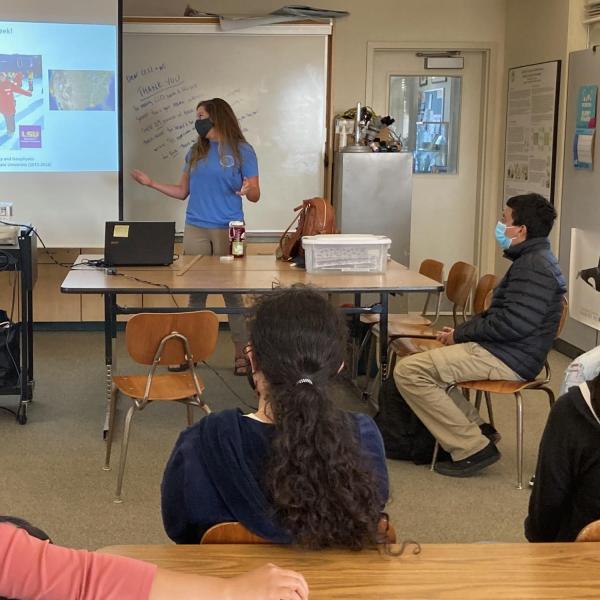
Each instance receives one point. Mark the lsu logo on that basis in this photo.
(30, 136)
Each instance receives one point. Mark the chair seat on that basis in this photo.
(502, 387)
(405, 329)
(396, 320)
(167, 386)
(407, 346)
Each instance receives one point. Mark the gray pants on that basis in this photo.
(214, 242)
(423, 379)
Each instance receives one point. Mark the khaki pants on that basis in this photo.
(214, 242)
(423, 380)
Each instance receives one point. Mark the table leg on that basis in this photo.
(355, 342)
(383, 336)
(110, 336)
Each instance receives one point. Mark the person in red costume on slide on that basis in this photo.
(7, 100)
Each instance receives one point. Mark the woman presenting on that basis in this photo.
(220, 169)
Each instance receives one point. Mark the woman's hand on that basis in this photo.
(268, 583)
(141, 177)
(246, 187)
(250, 189)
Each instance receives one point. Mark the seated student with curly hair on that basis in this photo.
(32, 568)
(299, 469)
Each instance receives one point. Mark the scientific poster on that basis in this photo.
(530, 149)
(584, 277)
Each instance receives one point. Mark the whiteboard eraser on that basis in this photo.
(228, 258)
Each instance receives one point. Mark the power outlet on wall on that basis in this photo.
(6, 210)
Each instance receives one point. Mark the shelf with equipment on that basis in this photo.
(22, 258)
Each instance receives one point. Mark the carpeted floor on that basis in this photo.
(52, 467)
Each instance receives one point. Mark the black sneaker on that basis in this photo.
(490, 432)
(471, 465)
(532, 481)
(179, 368)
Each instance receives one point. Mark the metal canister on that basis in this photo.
(237, 235)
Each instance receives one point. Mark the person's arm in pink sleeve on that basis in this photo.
(32, 569)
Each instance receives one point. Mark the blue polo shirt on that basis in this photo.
(214, 181)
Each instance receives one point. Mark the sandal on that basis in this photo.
(240, 367)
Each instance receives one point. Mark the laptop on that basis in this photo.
(133, 243)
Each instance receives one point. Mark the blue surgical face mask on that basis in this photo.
(501, 236)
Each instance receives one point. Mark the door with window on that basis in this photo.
(438, 118)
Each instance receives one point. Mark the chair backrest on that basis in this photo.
(434, 269)
(590, 533)
(231, 532)
(485, 286)
(563, 316)
(461, 279)
(145, 331)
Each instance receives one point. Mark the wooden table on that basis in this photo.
(461, 571)
(249, 275)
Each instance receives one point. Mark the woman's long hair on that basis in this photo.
(322, 491)
(226, 123)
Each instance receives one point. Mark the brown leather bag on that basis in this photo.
(315, 216)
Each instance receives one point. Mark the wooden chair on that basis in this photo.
(489, 387)
(458, 290)
(590, 533)
(434, 269)
(421, 339)
(162, 339)
(233, 532)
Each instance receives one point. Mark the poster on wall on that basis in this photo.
(585, 127)
(531, 120)
(584, 277)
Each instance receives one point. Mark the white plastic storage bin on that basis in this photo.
(355, 253)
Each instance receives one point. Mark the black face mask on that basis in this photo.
(203, 126)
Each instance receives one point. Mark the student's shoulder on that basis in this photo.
(366, 425)
(220, 421)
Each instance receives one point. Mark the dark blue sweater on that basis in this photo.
(215, 471)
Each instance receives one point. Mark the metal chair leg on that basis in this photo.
(190, 414)
(436, 449)
(112, 409)
(124, 448)
(519, 400)
(478, 400)
(490, 411)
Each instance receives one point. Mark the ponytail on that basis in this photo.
(322, 491)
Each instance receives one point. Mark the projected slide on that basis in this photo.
(58, 97)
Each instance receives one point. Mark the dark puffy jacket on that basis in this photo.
(522, 321)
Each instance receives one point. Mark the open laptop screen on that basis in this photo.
(131, 243)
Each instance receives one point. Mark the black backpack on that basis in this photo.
(404, 435)
(10, 354)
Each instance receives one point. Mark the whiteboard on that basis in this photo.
(274, 77)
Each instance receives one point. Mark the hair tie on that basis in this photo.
(304, 380)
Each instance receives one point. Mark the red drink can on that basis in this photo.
(237, 235)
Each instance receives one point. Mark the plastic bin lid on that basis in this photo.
(346, 239)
